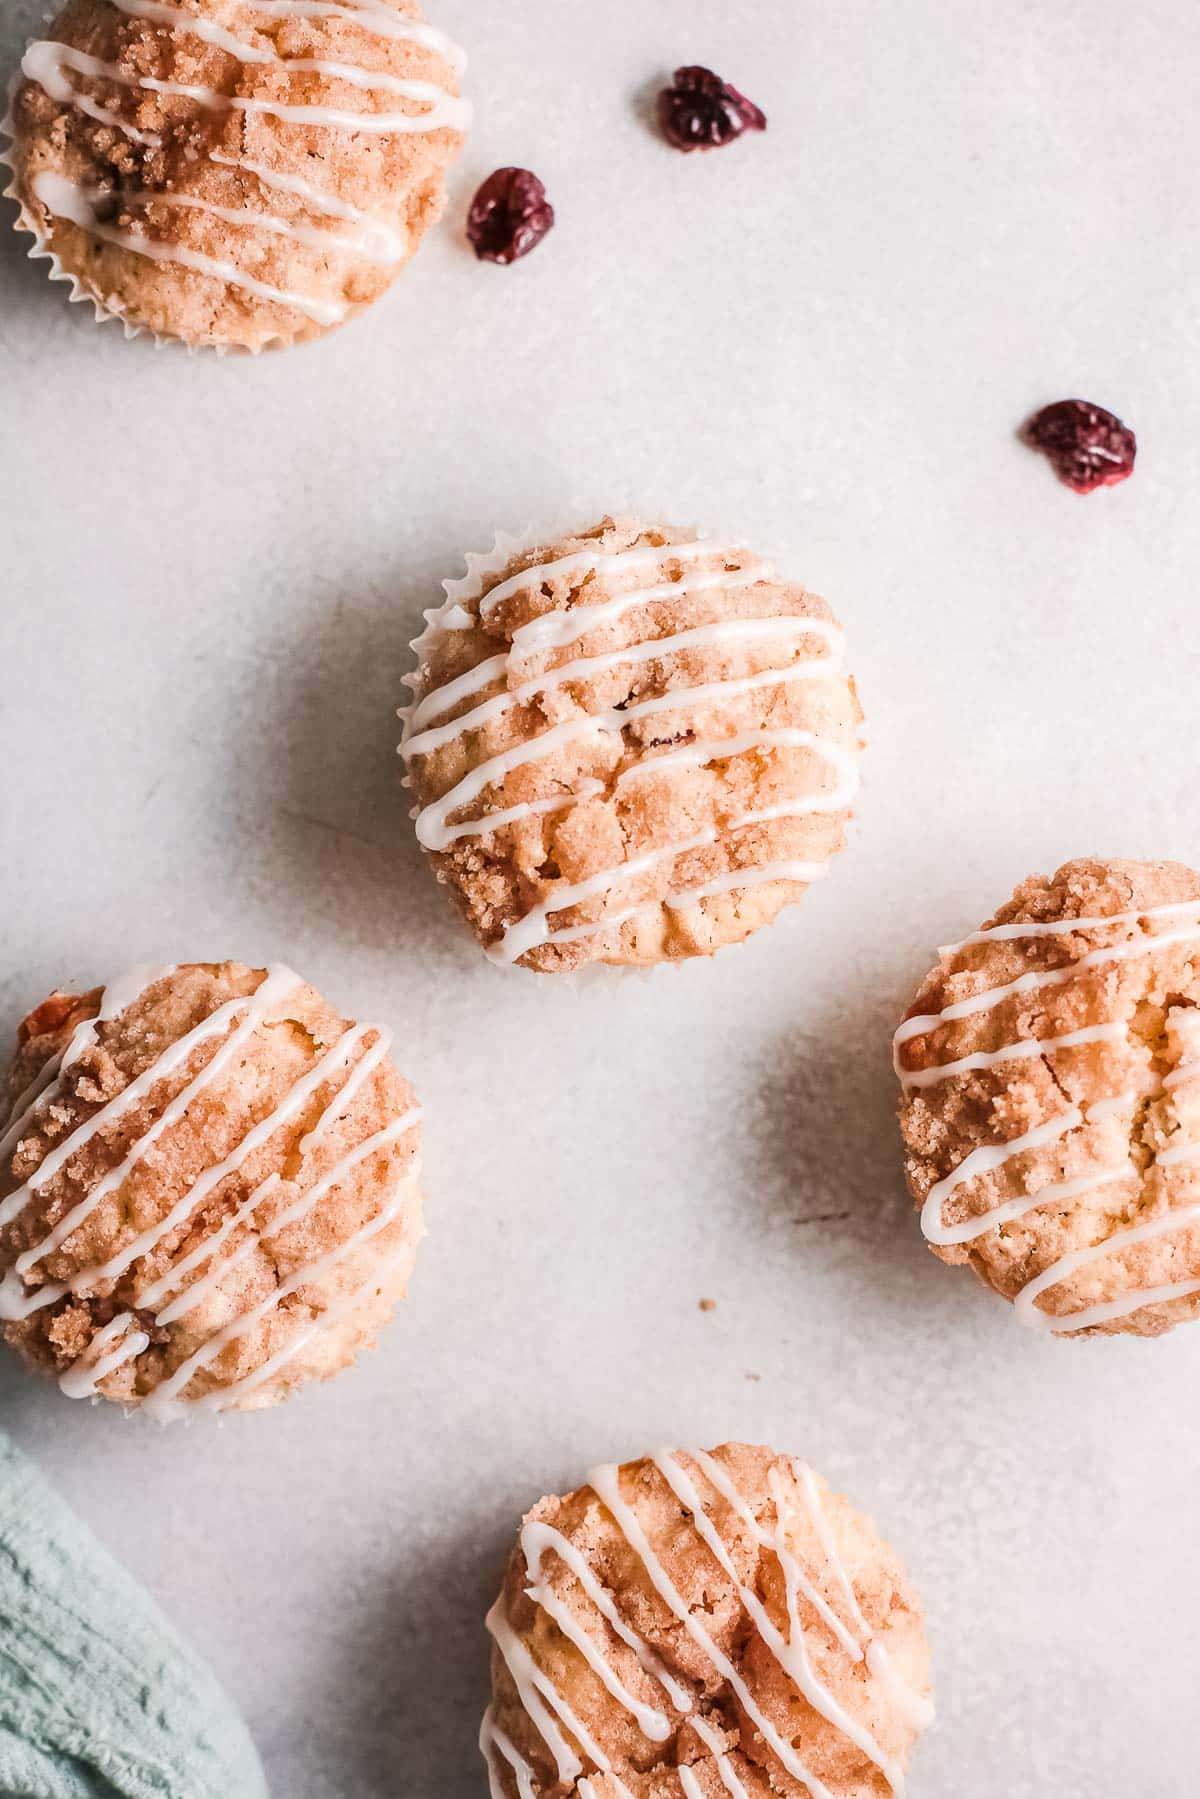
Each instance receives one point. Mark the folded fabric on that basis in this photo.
(99, 1699)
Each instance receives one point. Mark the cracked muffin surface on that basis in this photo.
(1050, 1068)
(693, 1625)
(208, 1188)
(633, 745)
(235, 173)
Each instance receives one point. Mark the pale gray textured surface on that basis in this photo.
(824, 339)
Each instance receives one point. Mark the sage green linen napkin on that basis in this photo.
(99, 1699)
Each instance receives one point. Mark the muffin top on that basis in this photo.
(1050, 1068)
(207, 1188)
(703, 1624)
(629, 746)
(235, 172)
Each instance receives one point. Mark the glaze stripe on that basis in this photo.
(165, 1401)
(279, 983)
(1024, 1048)
(81, 1378)
(491, 1738)
(536, 1539)
(790, 1652)
(991, 997)
(223, 1397)
(559, 630)
(63, 199)
(47, 61)
(1030, 1314)
(300, 1208)
(1066, 927)
(725, 1768)
(605, 1482)
(534, 929)
(600, 562)
(586, 668)
(533, 1689)
(296, 1098)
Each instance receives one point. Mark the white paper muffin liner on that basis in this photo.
(462, 596)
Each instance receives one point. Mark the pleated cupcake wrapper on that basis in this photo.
(461, 593)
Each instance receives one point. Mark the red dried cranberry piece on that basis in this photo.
(1088, 446)
(509, 216)
(699, 111)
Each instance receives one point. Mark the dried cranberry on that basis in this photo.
(699, 111)
(1088, 446)
(509, 216)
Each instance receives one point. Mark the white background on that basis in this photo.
(823, 339)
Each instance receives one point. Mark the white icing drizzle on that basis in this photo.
(533, 1690)
(204, 1251)
(687, 899)
(534, 929)
(173, 1057)
(15, 1302)
(991, 997)
(916, 1708)
(1066, 927)
(165, 1402)
(379, 19)
(299, 1208)
(224, 1397)
(689, 1785)
(82, 1377)
(552, 631)
(433, 830)
(256, 1138)
(47, 1085)
(47, 61)
(716, 1476)
(375, 240)
(989, 1157)
(1024, 1048)
(376, 243)
(791, 1652)
(117, 1342)
(601, 562)
(1030, 1314)
(64, 199)
(586, 668)
(536, 1539)
(725, 1768)
(360, 1074)
(605, 1482)
(25, 1105)
(491, 1738)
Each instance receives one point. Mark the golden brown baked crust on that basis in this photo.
(223, 1170)
(264, 226)
(629, 784)
(1051, 1099)
(729, 1626)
